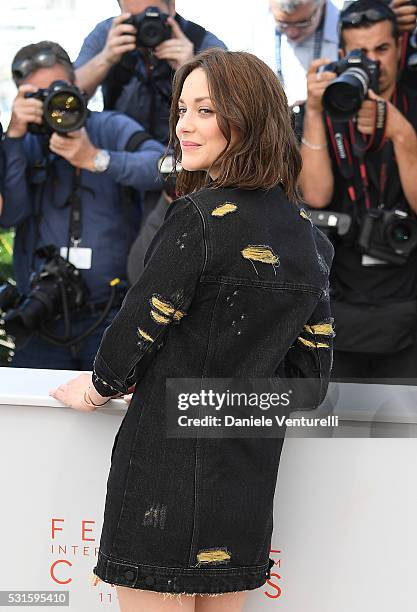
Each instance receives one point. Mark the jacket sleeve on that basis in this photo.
(16, 192)
(160, 298)
(309, 360)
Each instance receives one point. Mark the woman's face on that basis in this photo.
(197, 130)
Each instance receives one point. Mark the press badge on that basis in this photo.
(367, 260)
(81, 258)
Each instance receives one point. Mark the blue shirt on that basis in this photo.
(105, 226)
(137, 100)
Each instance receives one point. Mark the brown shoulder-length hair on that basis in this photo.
(248, 97)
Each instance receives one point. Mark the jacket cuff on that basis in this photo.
(105, 381)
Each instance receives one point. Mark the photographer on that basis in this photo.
(359, 150)
(134, 61)
(296, 32)
(65, 174)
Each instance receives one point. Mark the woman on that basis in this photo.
(235, 285)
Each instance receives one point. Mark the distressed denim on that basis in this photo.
(235, 285)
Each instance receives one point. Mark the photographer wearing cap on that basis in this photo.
(65, 173)
(133, 57)
(359, 150)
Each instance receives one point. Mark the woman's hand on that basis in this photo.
(78, 393)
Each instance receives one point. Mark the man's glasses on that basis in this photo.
(44, 59)
(301, 25)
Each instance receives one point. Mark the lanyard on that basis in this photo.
(74, 202)
(318, 41)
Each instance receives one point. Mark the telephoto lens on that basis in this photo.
(64, 109)
(343, 98)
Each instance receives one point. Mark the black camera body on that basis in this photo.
(152, 27)
(56, 287)
(390, 235)
(343, 98)
(64, 109)
(169, 170)
(331, 223)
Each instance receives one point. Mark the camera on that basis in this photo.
(342, 99)
(169, 170)
(57, 288)
(152, 27)
(332, 224)
(390, 235)
(64, 109)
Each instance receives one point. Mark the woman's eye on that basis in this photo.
(182, 110)
(206, 111)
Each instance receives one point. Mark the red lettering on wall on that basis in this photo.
(53, 528)
(52, 571)
(84, 530)
(274, 586)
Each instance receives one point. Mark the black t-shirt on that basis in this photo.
(351, 280)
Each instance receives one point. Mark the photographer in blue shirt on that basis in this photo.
(133, 57)
(67, 187)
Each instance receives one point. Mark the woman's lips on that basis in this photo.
(188, 145)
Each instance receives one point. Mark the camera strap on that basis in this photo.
(318, 43)
(341, 138)
(348, 144)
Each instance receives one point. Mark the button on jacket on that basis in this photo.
(235, 285)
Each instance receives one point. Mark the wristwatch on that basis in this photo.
(101, 161)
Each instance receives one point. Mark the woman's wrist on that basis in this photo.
(93, 397)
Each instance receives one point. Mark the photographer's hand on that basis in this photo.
(120, 39)
(317, 83)
(76, 148)
(365, 119)
(406, 13)
(24, 111)
(176, 50)
(395, 122)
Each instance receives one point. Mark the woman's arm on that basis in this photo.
(160, 298)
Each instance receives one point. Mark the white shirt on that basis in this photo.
(296, 57)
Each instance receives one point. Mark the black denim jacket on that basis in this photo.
(235, 285)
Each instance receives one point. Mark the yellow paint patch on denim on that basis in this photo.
(162, 305)
(213, 555)
(144, 335)
(321, 329)
(159, 318)
(163, 311)
(304, 215)
(310, 344)
(224, 209)
(178, 315)
(260, 253)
